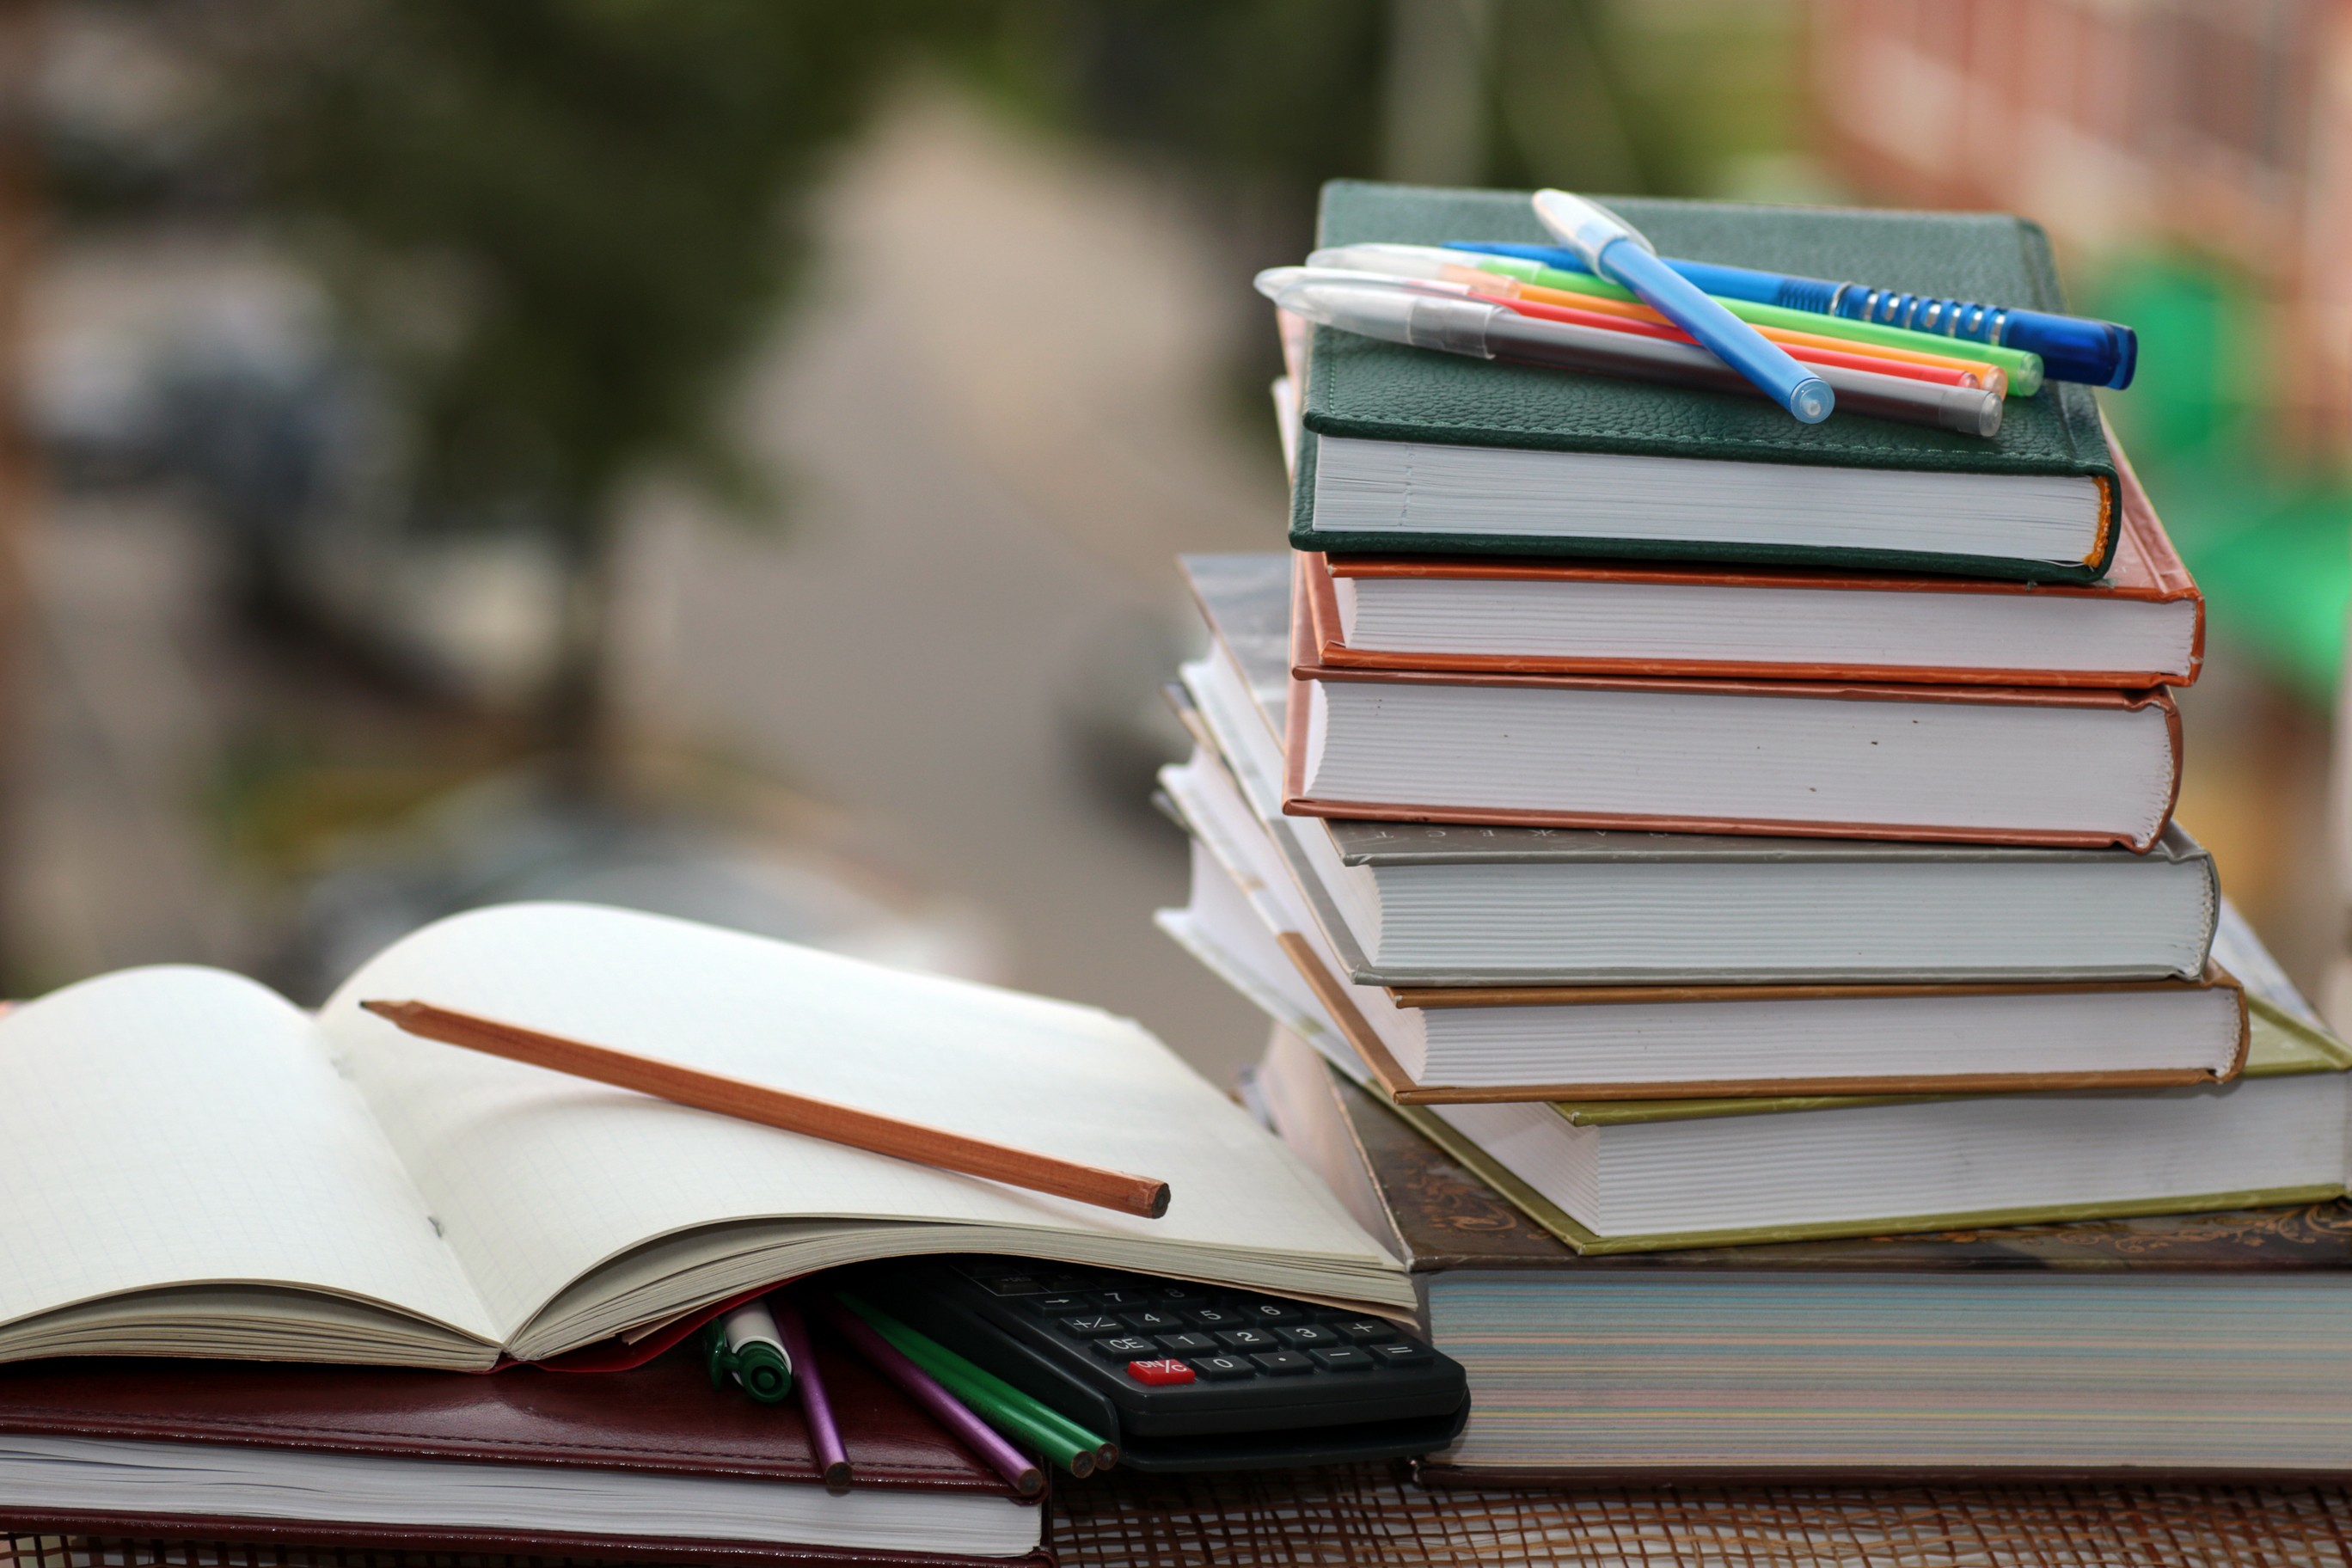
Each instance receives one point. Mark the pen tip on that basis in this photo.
(1812, 402)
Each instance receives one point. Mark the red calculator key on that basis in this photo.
(1159, 1373)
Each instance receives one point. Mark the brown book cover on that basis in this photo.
(2147, 569)
(661, 1418)
(1306, 670)
(1442, 1218)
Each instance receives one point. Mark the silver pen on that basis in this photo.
(1428, 314)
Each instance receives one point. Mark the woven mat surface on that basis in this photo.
(1372, 1516)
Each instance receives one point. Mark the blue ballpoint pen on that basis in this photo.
(1612, 248)
(2072, 348)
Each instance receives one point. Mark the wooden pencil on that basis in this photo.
(1141, 1195)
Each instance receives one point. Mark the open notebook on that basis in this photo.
(190, 1165)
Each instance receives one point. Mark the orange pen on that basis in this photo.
(1872, 356)
(1803, 353)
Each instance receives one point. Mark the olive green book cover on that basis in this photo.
(1449, 1205)
(2283, 1045)
(1361, 388)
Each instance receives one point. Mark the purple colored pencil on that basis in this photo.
(978, 1436)
(831, 1460)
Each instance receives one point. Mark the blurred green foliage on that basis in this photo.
(560, 225)
(2269, 542)
(564, 221)
(1267, 98)
(561, 221)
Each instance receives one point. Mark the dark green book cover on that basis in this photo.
(1363, 388)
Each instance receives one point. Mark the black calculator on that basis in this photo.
(1184, 1376)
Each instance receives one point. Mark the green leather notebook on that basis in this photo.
(1409, 450)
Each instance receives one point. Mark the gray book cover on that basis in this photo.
(1396, 844)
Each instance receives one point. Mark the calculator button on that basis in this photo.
(1158, 1374)
(1125, 1347)
(1283, 1363)
(1156, 1322)
(1119, 1298)
(1218, 1368)
(1366, 1330)
(1006, 1279)
(1305, 1336)
(1086, 1325)
(1212, 1317)
(1270, 1313)
(1405, 1353)
(1172, 1291)
(1248, 1339)
(1070, 1281)
(1344, 1358)
(1057, 1304)
(1186, 1344)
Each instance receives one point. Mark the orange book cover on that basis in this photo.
(2146, 568)
(1305, 669)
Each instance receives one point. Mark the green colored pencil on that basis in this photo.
(1019, 1415)
(2023, 369)
(1043, 1427)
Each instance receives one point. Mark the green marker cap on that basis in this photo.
(762, 1370)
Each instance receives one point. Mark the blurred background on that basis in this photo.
(727, 458)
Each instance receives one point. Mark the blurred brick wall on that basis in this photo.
(2223, 127)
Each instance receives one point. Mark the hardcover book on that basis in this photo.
(1969, 764)
(1416, 904)
(1637, 1169)
(649, 1464)
(2118, 1348)
(1252, 895)
(1409, 450)
(2142, 624)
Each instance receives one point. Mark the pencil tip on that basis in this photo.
(837, 1478)
(1159, 1201)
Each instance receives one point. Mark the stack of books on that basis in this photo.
(255, 1259)
(1718, 838)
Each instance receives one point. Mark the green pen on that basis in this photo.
(2023, 369)
(745, 1345)
(1022, 1416)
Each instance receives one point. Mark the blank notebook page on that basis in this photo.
(539, 1178)
(176, 1125)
